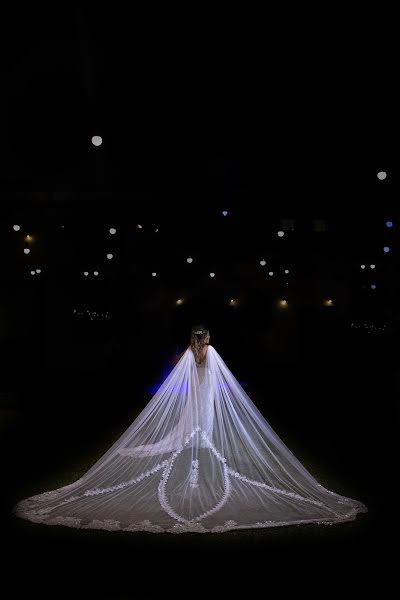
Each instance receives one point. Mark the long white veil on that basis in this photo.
(200, 458)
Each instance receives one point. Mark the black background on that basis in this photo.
(269, 117)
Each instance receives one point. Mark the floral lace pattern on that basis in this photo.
(187, 527)
(125, 484)
(194, 475)
(144, 526)
(162, 487)
(43, 515)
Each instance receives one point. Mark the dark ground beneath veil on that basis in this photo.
(336, 416)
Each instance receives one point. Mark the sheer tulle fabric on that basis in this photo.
(199, 458)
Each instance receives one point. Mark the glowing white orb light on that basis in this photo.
(372, 266)
(281, 233)
(263, 262)
(33, 272)
(95, 273)
(224, 212)
(212, 274)
(388, 224)
(283, 303)
(26, 250)
(110, 256)
(382, 175)
(113, 230)
(189, 259)
(97, 140)
(16, 227)
(363, 266)
(373, 286)
(286, 271)
(38, 270)
(154, 274)
(86, 273)
(139, 227)
(386, 249)
(270, 273)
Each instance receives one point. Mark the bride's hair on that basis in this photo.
(198, 337)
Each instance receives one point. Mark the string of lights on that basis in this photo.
(370, 327)
(272, 270)
(92, 314)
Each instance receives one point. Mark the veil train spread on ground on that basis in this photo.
(199, 458)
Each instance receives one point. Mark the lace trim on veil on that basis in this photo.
(189, 411)
(183, 525)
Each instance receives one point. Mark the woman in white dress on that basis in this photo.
(199, 458)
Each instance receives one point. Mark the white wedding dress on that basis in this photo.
(199, 458)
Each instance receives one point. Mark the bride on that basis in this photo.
(199, 458)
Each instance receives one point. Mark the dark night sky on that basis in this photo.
(291, 126)
(297, 120)
(267, 116)
(262, 118)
